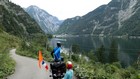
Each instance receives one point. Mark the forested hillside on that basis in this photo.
(119, 17)
(14, 20)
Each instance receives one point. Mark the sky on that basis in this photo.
(63, 9)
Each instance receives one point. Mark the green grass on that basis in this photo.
(95, 70)
(34, 53)
(31, 47)
(7, 64)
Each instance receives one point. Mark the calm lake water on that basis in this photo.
(129, 49)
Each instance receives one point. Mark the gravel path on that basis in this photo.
(27, 68)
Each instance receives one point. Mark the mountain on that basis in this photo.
(14, 20)
(47, 22)
(67, 25)
(118, 17)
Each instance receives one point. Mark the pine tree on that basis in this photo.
(75, 48)
(101, 54)
(113, 53)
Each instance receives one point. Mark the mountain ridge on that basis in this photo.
(14, 20)
(114, 18)
(47, 22)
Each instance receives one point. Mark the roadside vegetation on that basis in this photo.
(92, 69)
(30, 47)
(7, 64)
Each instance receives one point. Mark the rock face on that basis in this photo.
(47, 22)
(14, 20)
(119, 17)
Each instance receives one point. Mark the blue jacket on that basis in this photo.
(69, 74)
(57, 53)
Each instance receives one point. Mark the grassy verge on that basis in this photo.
(91, 69)
(31, 47)
(7, 64)
(34, 54)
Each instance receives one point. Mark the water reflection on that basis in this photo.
(128, 49)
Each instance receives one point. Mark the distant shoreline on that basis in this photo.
(86, 35)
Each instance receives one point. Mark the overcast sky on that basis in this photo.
(64, 8)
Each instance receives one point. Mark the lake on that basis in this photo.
(129, 49)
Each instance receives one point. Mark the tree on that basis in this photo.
(113, 52)
(75, 48)
(101, 54)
